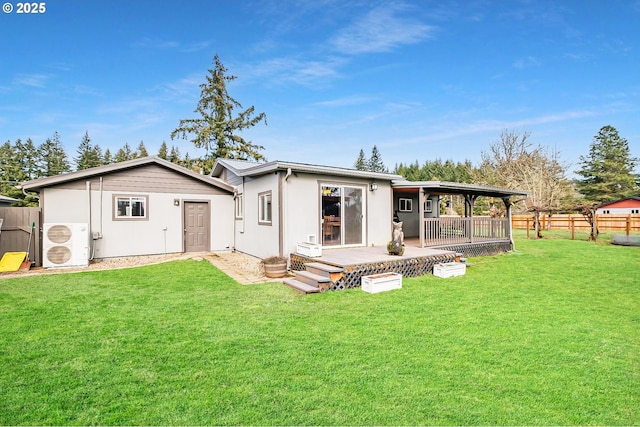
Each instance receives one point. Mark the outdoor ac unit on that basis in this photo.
(65, 245)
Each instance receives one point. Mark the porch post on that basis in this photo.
(470, 201)
(421, 202)
(507, 203)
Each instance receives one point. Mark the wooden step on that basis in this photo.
(300, 286)
(311, 278)
(332, 272)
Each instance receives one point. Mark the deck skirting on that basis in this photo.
(478, 249)
(352, 274)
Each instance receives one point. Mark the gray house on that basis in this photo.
(151, 206)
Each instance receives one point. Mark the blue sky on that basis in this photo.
(420, 79)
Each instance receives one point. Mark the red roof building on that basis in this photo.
(628, 205)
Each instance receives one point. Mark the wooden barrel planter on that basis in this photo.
(275, 267)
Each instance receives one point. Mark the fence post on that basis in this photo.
(527, 227)
(572, 225)
(628, 224)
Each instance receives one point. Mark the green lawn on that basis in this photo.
(548, 335)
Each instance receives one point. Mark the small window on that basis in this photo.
(130, 207)
(239, 206)
(428, 206)
(265, 207)
(405, 205)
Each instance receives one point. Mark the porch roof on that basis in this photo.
(445, 187)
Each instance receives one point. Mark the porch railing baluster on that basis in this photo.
(454, 230)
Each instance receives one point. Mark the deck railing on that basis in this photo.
(453, 230)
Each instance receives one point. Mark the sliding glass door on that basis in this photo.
(342, 216)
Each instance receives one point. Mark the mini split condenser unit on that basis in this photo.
(65, 245)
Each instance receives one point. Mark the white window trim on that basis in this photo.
(262, 209)
(408, 205)
(131, 197)
(239, 206)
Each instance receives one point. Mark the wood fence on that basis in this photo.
(611, 222)
(15, 229)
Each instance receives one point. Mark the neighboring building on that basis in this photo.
(6, 202)
(626, 206)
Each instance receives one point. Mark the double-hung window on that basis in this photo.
(130, 207)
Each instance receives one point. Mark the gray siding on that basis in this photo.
(231, 178)
(147, 178)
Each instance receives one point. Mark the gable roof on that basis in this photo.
(37, 184)
(246, 168)
(636, 198)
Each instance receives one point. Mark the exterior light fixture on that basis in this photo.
(373, 186)
(176, 202)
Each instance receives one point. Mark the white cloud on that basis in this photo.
(483, 126)
(527, 62)
(346, 101)
(32, 80)
(159, 44)
(380, 30)
(285, 70)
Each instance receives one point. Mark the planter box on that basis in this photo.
(309, 249)
(449, 269)
(381, 282)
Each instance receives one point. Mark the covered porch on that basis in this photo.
(418, 206)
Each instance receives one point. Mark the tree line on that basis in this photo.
(605, 174)
(24, 160)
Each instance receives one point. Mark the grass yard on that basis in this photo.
(549, 335)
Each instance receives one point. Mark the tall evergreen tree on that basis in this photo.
(163, 152)
(107, 158)
(174, 155)
(98, 154)
(87, 154)
(607, 171)
(28, 157)
(125, 153)
(53, 158)
(10, 174)
(217, 129)
(361, 162)
(141, 151)
(375, 163)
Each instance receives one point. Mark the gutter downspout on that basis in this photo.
(285, 203)
(92, 247)
(101, 202)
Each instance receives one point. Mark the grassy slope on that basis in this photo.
(548, 335)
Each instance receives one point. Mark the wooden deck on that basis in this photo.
(344, 257)
(351, 264)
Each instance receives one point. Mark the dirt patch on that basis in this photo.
(241, 267)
